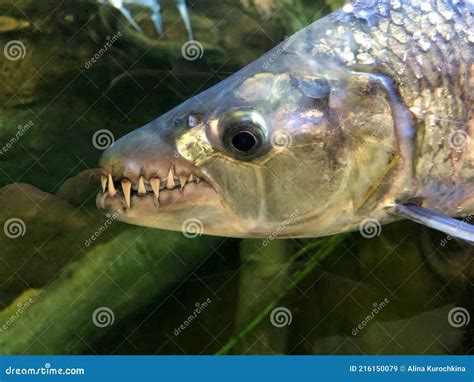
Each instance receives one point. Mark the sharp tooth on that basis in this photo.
(198, 180)
(127, 189)
(112, 190)
(191, 178)
(103, 180)
(155, 185)
(141, 186)
(182, 180)
(170, 184)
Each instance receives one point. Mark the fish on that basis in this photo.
(360, 119)
(155, 7)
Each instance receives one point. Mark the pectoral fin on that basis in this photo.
(437, 221)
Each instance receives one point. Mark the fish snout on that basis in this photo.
(144, 164)
(143, 153)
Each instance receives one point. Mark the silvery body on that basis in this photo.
(366, 108)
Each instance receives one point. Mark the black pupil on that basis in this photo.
(244, 141)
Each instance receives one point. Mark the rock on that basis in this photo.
(80, 188)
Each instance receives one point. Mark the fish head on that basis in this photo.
(280, 146)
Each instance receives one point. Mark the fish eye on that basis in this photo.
(243, 133)
(244, 141)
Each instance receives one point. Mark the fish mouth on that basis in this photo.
(167, 193)
(156, 187)
(145, 181)
(162, 202)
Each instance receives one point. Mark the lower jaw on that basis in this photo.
(174, 212)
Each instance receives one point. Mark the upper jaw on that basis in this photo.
(142, 165)
(170, 189)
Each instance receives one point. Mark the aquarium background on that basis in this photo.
(74, 76)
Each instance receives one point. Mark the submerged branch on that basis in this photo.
(109, 282)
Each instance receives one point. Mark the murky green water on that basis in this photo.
(76, 282)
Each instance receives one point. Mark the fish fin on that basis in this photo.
(156, 17)
(437, 221)
(126, 13)
(183, 10)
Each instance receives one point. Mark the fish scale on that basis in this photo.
(440, 87)
(360, 116)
